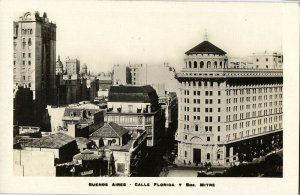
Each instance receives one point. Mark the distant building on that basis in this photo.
(34, 59)
(73, 89)
(84, 70)
(225, 111)
(169, 104)
(59, 66)
(136, 107)
(121, 75)
(265, 60)
(160, 77)
(72, 66)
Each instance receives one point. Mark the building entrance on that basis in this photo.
(196, 155)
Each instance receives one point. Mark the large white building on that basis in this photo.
(223, 108)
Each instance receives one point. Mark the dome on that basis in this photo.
(205, 47)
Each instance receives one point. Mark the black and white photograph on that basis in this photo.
(152, 91)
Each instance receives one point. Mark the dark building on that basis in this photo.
(23, 107)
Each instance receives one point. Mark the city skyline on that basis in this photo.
(173, 31)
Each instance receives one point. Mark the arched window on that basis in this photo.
(215, 64)
(201, 64)
(208, 64)
(190, 64)
(221, 64)
(195, 64)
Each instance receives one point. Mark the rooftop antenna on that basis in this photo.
(205, 35)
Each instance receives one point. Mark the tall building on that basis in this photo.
(137, 108)
(121, 75)
(34, 58)
(72, 66)
(225, 110)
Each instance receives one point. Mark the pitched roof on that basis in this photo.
(132, 93)
(205, 47)
(110, 129)
(54, 141)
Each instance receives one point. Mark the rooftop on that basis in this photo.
(130, 93)
(54, 141)
(205, 47)
(110, 129)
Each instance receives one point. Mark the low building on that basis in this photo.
(63, 146)
(111, 134)
(84, 143)
(81, 116)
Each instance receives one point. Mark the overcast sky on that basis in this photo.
(102, 33)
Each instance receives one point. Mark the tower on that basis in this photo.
(34, 58)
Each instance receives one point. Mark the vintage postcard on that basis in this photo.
(127, 97)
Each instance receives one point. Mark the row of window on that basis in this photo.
(199, 84)
(254, 98)
(254, 114)
(253, 90)
(201, 64)
(27, 31)
(254, 131)
(254, 122)
(254, 106)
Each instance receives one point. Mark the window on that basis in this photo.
(201, 64)
(195, 64)
(219, 93)
(130, 108)
(23, 55)
(196, 127)
(208, 139)
(120, 167)
(208, 156)
(219, 128)
(29, 62)
(218, 138)
(29, 55)
(23, 62)
(218, 156)
(185, 153)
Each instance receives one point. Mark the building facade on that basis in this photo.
(34, 58)
(137, 108)
(121, 75)
(222, 108)
(72, 66)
